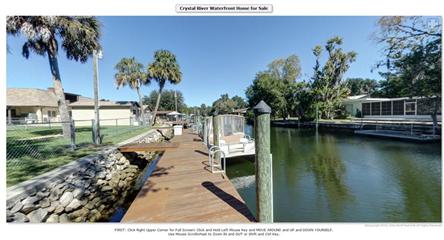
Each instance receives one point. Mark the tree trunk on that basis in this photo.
(142, 110)
(58, 89)
(161, 85)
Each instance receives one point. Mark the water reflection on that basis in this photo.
(329, 171)
(319, 177)
(419, 187)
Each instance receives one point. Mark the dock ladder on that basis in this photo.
(216, 167)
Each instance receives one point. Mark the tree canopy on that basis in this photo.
(277, 86)
(130, 72)
(78, 37)
(167, 101)
(225, 104)
(412, 62)
(163, 69)
(359, 86)
(328, 86)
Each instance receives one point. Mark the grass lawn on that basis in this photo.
(33, 151)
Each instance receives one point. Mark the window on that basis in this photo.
(386, 108)
(398, 107)
(410, 107)
(53, 113)
(376, 108)
(365, 109)
(49, 113)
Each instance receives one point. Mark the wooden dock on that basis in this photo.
(399, 135)
(152, 147)
(181, 189)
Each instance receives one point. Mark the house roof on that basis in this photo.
(33, 97)
(357, 96)
(30, 97)
(87, 102)
(366, 99)
(174, 113)
(133, 103)
(164, 112)
(240, 110)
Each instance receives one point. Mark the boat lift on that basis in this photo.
(233, 141)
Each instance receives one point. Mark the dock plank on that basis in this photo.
(181, 189)
(140, 147)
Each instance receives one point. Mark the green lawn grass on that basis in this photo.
(33, 151)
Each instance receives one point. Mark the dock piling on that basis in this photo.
(216, 135)
(264, 167)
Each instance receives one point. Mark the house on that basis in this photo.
(170, 115)
(389, 108)
(33, 105)
(30, 105)
(111, 113)
(240, 111)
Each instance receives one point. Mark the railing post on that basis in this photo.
(73, 135)
(216, 135)
(264, 167)
(116, 130)
(9, 116)
(204, 131)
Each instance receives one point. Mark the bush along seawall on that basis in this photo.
(90, 189)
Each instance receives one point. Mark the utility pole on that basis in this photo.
(97, 54)
(175, 101)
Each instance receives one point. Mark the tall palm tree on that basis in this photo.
(163, 69)
(130, 72)
(78, 36)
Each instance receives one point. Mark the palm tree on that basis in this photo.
(130, 72)
(78, 36)
(164, 68)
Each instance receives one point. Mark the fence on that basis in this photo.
(38, 147)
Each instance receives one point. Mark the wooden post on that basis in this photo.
(205, 131)
(73, 135)
(93, 130)
(9, 116)
(217, 135)
(264, 168)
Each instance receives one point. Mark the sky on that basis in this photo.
(217, 55)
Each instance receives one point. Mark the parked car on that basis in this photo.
(31, 118)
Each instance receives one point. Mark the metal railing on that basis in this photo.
(38, 145)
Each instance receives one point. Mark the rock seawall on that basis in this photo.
(90, 193)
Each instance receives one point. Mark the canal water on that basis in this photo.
(341, 177)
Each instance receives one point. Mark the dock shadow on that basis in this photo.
(160, 171)
(201, 152)
(229, 199)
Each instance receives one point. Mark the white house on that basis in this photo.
(389, 108)
(111, 113)
(31, 105)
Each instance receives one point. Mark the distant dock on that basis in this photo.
(401, 130)
(181, 189)
(399, 135)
